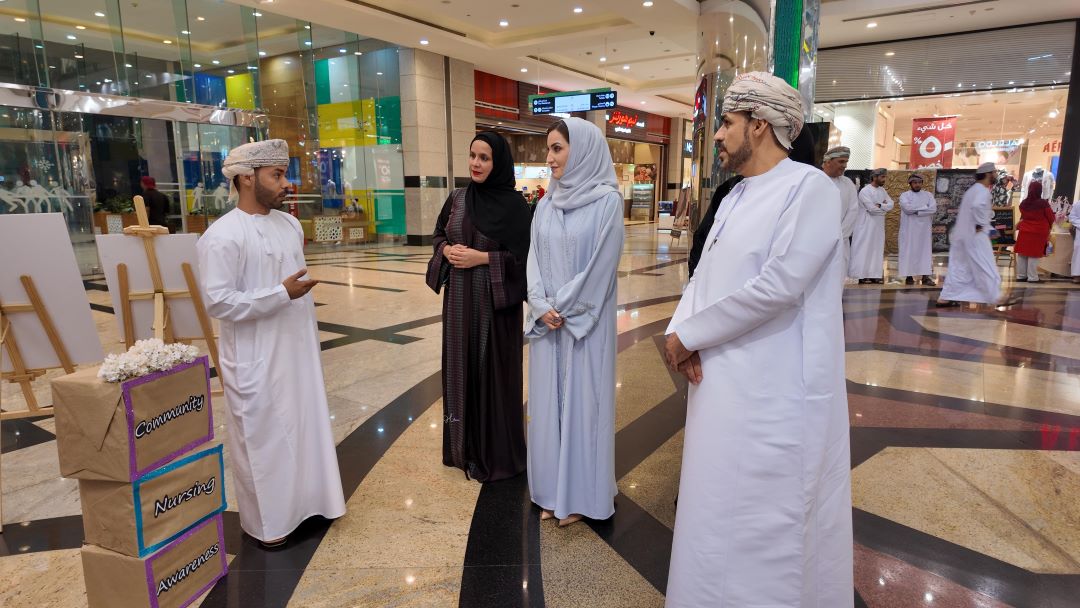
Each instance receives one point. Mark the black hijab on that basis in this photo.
(495, 207)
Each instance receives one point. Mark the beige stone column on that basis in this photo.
(438, 121)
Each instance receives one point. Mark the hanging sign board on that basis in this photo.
(574, 101)
(932, 142)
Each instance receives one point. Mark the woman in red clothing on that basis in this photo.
(1033, 232)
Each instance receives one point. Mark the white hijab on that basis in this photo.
(589, 174)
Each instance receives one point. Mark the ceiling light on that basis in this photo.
(578, 9)
(523, 70)
(215, 62)
(890, 53)
(603, 59)
(343, 50)
(20, 19)
(198, 65)
(357, 53)
(70, 37)
(257, 14)
(647, 3)
(185, 32)
(99, 14)
(626, 67)
(307, 42)
(1053, 113)
(378, 73)
(424, 41)
(80, 27)
(307, 27)
(232, 71)
(262, 53)
(166, 41)
(504, 23)
(731, 19)
(643, 103)
(201, 18)
(78, 56)
(872, 24)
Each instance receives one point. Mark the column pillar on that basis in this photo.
(676, 153)
(437, 123)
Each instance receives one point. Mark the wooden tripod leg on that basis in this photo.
(125, 305)
(47, 324)
(20, 375)
(159, 316)
(200, 311)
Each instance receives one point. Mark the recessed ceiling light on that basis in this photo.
(643, 103)
(358, 53)
(378, 73)
(626, 67)
(99, 14)
(890, 53)
(20, 19)
(185, 32)
(731, 19)
(1053, 113)
(603, 59)
(578, 9)
(232, 71)
(424, 41)
(262, 53)
(343, 50)
(78, 56)
(215, 62)
(647, 3)
(80, 27)
(872, 24)
(504, 23)
(70, 37)
(307, 27)
(198, 65)
(307, 42)
(201, 18)
(257, 14)
(166, 41)
(523, 70)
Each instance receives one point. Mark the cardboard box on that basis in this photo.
(121, 431)
(140, 517)
(171, 578)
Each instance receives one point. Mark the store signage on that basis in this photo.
(574, 101)
(688, 146)
(619, 118)
(932, 142)
(1053, 147)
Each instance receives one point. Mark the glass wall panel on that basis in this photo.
(22, 59)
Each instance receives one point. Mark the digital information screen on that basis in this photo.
(581, 101)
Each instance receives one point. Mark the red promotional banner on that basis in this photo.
(932, 142)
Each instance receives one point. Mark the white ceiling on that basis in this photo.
(559, 49)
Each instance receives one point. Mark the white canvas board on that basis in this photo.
(172, 251)
(37, 245)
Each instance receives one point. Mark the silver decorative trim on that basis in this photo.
(41, 98)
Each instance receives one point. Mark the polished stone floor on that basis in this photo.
(965, 460)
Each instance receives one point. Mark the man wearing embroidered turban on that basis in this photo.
(835, 162)
(251, 263)
(764, 511)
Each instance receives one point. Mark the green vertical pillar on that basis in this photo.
(787, 40)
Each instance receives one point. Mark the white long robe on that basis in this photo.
(973, 274)
(764, 512)
(916, 233)
(849, 204)
(868, 241)
(1074, 219)
(280, 443)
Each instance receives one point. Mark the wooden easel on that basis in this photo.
(20, 374)
(162, 328)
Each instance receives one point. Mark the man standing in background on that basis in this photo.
(868, 241)
(836, 161)
(916, 239)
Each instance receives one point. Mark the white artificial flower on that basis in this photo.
(146, 357)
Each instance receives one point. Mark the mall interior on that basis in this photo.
(963, 421)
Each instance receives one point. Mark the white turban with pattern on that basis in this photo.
(243, 160)
(767, 98)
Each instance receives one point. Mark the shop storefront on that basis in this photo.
(92, 98)
(638, 142)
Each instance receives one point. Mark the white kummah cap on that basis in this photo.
(243, 160)
(986, 168)
(877, 172)
(838, 152)
(767, 98)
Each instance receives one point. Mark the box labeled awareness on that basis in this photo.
(171, 578)
(140, 517)
(121, 431)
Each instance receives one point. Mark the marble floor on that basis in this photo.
(965, 430)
